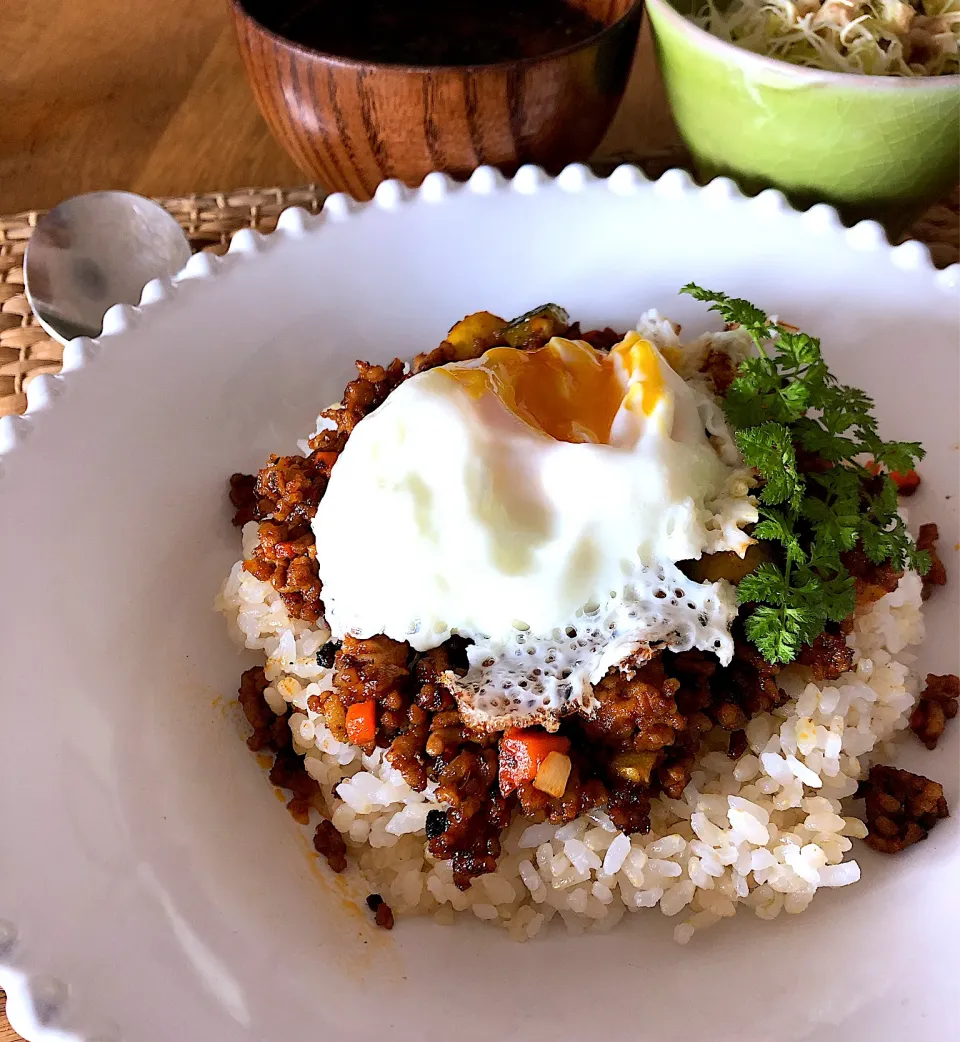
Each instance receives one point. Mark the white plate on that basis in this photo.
(151, 886)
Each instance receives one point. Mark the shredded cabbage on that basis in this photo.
(876, 37)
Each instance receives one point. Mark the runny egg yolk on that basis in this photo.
(567, 389)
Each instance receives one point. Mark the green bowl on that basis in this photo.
(884, 147)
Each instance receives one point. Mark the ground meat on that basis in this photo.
(408, 750)
(730, 716)
(446, 353)
(582, 793)
(286, 493)
(430, 668)
(937, 575)
(288, 772)
(661, 712)
(260, 716)
(638, 712)
(695, 671)
(328, 841)
(749, 681)
(378, 668)
(372, 667)
(872, 581)
(828, 656)
(288, 490)
(382, 912)
(269, 730)
(937, 705)
(721, 370)
(419, 725)
(738, 745)
(360, 397)
(599, 339)
(476, 814)
(433, 723)
(243, 498)
(902, 808)
(629, 808)
(272, 732)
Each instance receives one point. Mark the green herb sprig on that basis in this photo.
(783, 401)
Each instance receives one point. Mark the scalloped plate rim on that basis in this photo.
(295, 222)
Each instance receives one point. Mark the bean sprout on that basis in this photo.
(871, 37)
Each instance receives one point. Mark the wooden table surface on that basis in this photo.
(151, 97)
(7, 1034)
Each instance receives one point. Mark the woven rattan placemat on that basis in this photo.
(210, 221)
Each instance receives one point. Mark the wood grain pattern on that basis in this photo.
(153, 98)
(7, 1034)
(138, 95)
(352, 124)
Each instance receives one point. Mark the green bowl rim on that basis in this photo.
(740, 55)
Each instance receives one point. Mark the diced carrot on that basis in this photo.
(362, 722)
(522, 751)
(553, 774)
(907, 483)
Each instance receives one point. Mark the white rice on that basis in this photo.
(764, 832)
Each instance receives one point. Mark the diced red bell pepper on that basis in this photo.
(522, 751)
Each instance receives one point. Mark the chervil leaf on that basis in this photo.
(918, 560)
(770, 449)
(807, 619)
(877, 544)
(805, 598)
(813, 438)
(841, 483)
(742, 406)
(805, 434)
(733, 309)
(840, 598)
(899, 455)
(777, 527)
(799, 351)
(836, 524)
(776, 638)
(764, 585)
(844, 408)
(792, 402)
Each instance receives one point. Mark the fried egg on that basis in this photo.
(537, 503)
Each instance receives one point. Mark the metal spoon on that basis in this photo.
(94, 251)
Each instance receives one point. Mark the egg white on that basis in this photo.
(447, 513)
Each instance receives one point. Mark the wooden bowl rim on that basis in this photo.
(635, 10)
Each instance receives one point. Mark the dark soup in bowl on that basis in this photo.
(431, 32)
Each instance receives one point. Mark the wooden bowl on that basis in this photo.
(352, 124)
